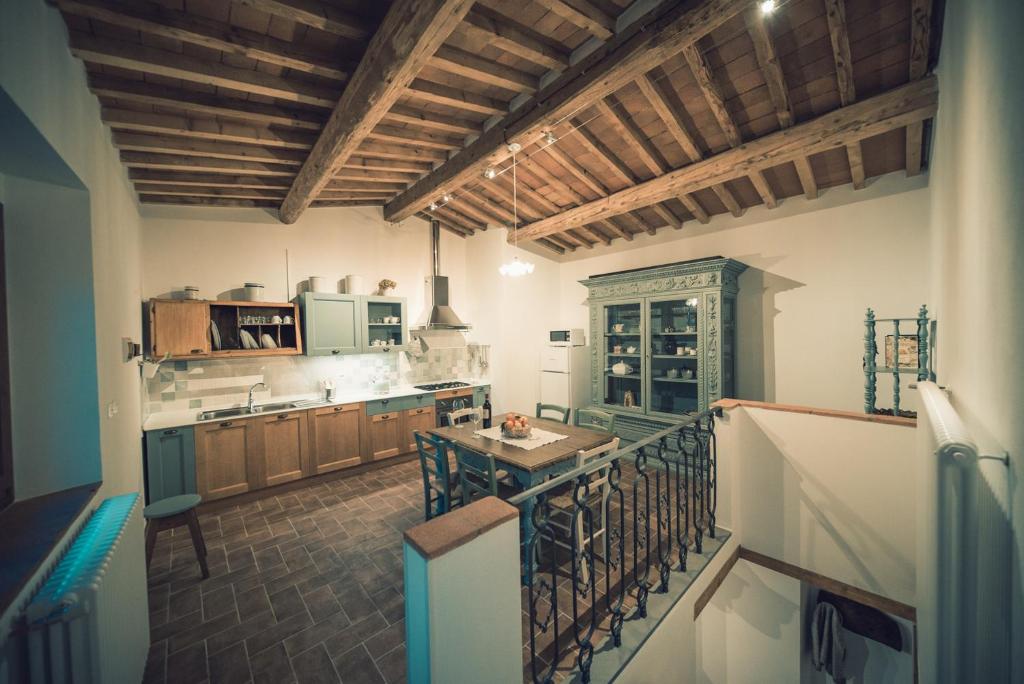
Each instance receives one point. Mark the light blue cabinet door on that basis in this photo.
(333, 323)
(385, 324)
(170, 463)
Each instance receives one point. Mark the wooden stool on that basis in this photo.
(174, 512)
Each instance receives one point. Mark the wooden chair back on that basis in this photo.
(599, 478)
(436, 471)
(563, 412)
(595, 420)
(461, 415)
(476, 481)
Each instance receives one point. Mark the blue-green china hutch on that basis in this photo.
(662, 341)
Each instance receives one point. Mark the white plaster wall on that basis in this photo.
(751, 629)
(815, 267)
(38, 72)
(978, 223)
(830, 495)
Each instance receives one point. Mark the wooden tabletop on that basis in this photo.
(533, 459)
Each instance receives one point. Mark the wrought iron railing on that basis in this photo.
(659, 491)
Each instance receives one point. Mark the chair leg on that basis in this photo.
(151, 532)
(581, 544)
(197, 540)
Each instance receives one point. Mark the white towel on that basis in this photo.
(828, 652)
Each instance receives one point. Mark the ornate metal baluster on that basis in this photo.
(870, 354)
(922, 344)
(615, 553)
(896, 368)
(682, 499)
(664, 512)
(698, 492)
(711, 447)
(539, 586)
(583, 574)
(641, 532)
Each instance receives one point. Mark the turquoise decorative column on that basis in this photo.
(896, 367)
(922, 343)
(870, 352)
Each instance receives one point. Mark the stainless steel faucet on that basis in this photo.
(252, 405)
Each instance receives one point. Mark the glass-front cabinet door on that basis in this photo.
(675, 358)
(624, 364)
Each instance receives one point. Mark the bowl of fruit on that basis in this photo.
(516, 426)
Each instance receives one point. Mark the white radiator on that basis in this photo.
(83, 625)
(963, 551)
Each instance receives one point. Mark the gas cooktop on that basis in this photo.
(433, 387)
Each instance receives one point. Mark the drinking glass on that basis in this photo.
(475, 417)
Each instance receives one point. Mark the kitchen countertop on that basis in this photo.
(172, 419)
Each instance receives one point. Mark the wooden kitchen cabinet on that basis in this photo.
(179, 327)
(282, 451)
(416, 420)
(225, 458)
(334, 323)
(336, 437)
(385, 437)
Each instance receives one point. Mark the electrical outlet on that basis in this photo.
(112, 409)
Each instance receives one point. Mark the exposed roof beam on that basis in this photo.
(406, 136)
(111, 87)
(577, 170)
(706, 82)
(411, 32)
(593, 234)
(154, 19)
(647, 43)
(614, 114)
(856, 159)
(206, 201)
(206, 129)
(547, 244)
(399, 152)
(512, 37)
(670, 116)
(920, 47)
(466, 64)
(693, 206)
(835, 14)
(583, 14)
(438, 93)
(596, 147)
(914, 101)
(430, 120)
(727, 198)
(319, 15)
(806, 175)
(764, 189)
(502, 216)
(459, 219)
(140, 142)
(758, 26)
(183, 163)
(152, 60)
(615, 228)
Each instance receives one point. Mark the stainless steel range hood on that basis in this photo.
(442, 328)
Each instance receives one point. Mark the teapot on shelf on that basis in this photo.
(622, 368)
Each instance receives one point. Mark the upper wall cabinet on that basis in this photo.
(190, 329)
(338, 324)
(334, 323)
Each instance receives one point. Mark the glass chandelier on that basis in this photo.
(517, 267)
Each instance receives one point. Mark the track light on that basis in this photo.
(550, 138)
(767, 6)
(433, 206)
(490, 173)
(446, 198)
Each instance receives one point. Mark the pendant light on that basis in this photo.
(516, 267)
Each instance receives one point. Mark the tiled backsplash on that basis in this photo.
(180, 385)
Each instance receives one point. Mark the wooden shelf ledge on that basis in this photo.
(448, 532)
(828, 413)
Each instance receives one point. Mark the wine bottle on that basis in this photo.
(487, 411)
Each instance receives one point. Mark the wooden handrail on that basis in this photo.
(810, 410)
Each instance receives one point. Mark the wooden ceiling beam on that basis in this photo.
(645, 44)
(211, 180)
(184, 163)
(758, 27)
(705, 78)
(694, 207)
(151, 60)
(205, 129)
(806, 175)
(550, 179)
(458, 218)
(636, 221)
(593, 234)
(400, 152)
(856, 160)
(920, 48)
(405, 136)
(514, 38)
(438, 93)
(547, 244)
(596, 147)
(347, 203)
(835, 15)
(191, 102)
(411, 32)
(206, 201)
(670, 116)
(461, 232)
(423, 119)
(374, 166)
(576, 239)
(503, 191)
(764, 189)
(502, 216)
(577, 170)
(156, 20)
(615, 229)
(728, 199)
(236, 192)
(319, 15)
(560, 241)
(584, 14)
(915, 101)
(473, 211)
(141, 142)
(456, 61)
(615, 115)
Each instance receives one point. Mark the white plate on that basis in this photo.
(248, 341)
(267, 341)
(215, 334)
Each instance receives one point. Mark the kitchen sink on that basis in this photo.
(261, 408)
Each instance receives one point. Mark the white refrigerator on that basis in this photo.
(565, 376)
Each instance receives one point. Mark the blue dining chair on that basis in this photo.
(561, 411)
(441, 490)
(595, 420)
(478, 476)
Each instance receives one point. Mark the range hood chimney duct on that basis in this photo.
(440, 317)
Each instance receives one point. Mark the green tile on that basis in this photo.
(195, 403)
(180, 386)
(181, 365)
(167, 396)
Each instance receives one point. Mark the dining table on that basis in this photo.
(529, 467)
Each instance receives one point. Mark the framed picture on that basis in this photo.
(907, 353)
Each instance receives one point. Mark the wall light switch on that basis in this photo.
(112, 409)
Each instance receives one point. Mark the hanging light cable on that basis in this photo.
(516, 267)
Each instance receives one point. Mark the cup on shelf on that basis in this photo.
(672, 373)
(275, 320)
(619, 327)
(617, 349)
(688, 373)
(692, 351)
(680, 351)
(669, 329)
(287, 320)
(631, 350)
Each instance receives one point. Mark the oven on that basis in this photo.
(447, 401)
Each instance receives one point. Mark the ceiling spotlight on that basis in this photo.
(490, 173)
(767, 6)
(446, 198)
(433, 206)
(514, 148)
(550, 138)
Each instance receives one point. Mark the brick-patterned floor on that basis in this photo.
(305, 586)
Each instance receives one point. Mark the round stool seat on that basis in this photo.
(174, 505)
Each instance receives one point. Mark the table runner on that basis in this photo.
(537, 438)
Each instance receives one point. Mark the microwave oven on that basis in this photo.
(566, 338)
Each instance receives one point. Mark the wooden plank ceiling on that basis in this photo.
(631, 119)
